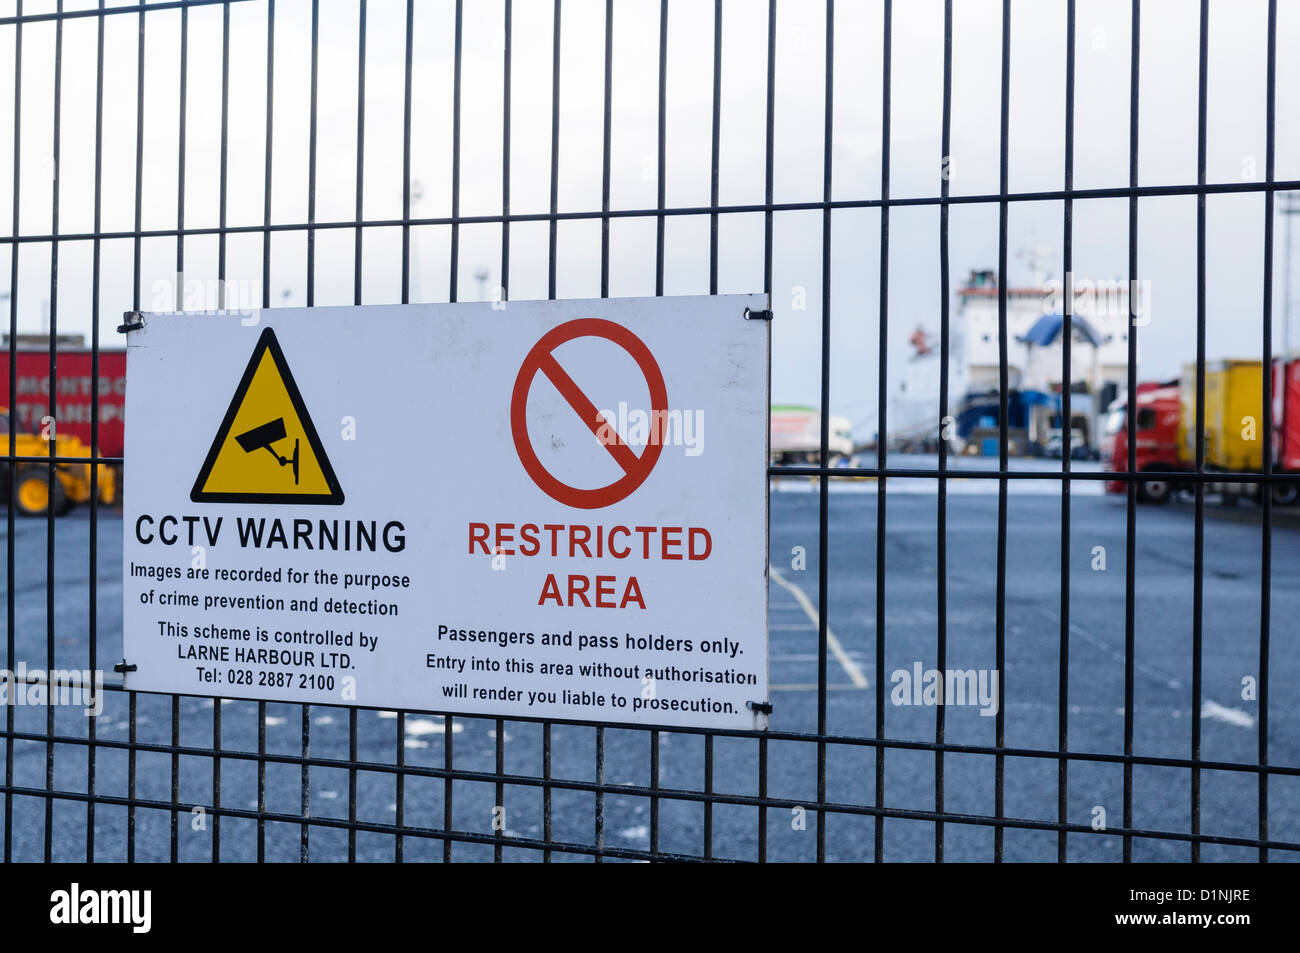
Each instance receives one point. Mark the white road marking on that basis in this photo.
(1232, 716)
(428, 726)
(1209, 708)
(850, 667)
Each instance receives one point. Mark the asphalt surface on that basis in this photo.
(1162, 714)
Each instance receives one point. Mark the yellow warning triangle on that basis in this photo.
(266, 449)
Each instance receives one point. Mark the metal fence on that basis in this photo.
(218, 789)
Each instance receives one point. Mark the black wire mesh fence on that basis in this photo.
(157, 777)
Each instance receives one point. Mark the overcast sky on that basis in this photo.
(1167, 248)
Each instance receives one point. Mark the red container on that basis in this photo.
(73, 400)
(1286, 415)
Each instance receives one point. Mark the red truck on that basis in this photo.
(1159, 409)
(1156, 447)
(73, 398)
(1286, 428)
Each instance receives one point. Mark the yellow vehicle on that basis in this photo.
(32, 493)
(1233, 416)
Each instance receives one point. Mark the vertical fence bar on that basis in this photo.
(823, 498)
(662, 160)
(546, 789)
(222, 201)
(399, 806)
(553, 229)
(180, 304)
(882, 387)
(659, 290)
(505, 158)
(406, 299)
(304, 791)
(716, 136)
(1130, 533)
(600, 795)
(406, 161)
(654, 786)
(175, 778)
(553, 222)
(767, 288)
(1266, 489)
(941, 529)
(180, 158)
(604, 293)
(503, 294)
(131, 777)
(304, 788)
(357, 265)
(222, 187)
(606, 108)
(452, 281)
(270, 137)
(1001, 611)
(261, 781)
(266, 303)
(313, 118)
(708, 797)
(51, 478)
(135, 304)
(1067, 425)
(448, 724)
(13, 403)
(498, 816)
(216, 780)
(92, 607)
(1198, 591)
(50, 446)
(352, 785)
(358, 234)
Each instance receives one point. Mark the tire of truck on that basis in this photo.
(32, 494)
(62, 503)
(1154, 491)
(1286, 494)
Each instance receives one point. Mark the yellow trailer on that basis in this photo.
(1234, 437)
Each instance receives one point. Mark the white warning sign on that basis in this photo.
(558, 510)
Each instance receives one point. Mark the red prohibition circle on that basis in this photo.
(542, 359)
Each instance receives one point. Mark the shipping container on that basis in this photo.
(1234, 415)
(72, 409)
(1286, 415)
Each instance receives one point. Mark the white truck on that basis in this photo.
(797, 435)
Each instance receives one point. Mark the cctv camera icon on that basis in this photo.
(265, 435)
